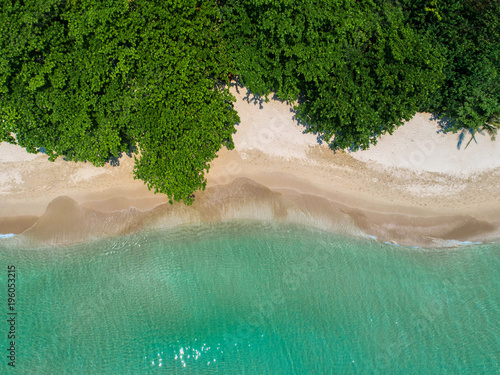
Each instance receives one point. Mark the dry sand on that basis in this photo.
(415, 187)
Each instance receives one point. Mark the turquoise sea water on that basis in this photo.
(250, 298)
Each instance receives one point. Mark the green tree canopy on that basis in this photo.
(468, 35)
(355, 66)
(89, 80)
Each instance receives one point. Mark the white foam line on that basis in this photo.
(7, 235)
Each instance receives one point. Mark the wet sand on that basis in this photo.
(415, 187)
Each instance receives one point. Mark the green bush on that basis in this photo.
(89, 80)
(467, 34)
(355, 67)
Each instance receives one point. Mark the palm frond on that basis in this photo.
(491, 127)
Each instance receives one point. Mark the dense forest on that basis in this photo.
(89, 80)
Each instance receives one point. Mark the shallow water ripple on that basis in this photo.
(255, 298)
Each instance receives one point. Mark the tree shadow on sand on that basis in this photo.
(256, 99)
(320, 138)
(447, 124)
(114, 161)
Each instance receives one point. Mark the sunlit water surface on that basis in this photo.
(252, 298)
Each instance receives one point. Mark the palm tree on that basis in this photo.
(491, 127)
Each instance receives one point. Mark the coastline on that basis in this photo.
(414, 188)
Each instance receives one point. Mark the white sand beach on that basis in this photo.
(417, 186)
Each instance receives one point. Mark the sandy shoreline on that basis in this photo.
(414, 188)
